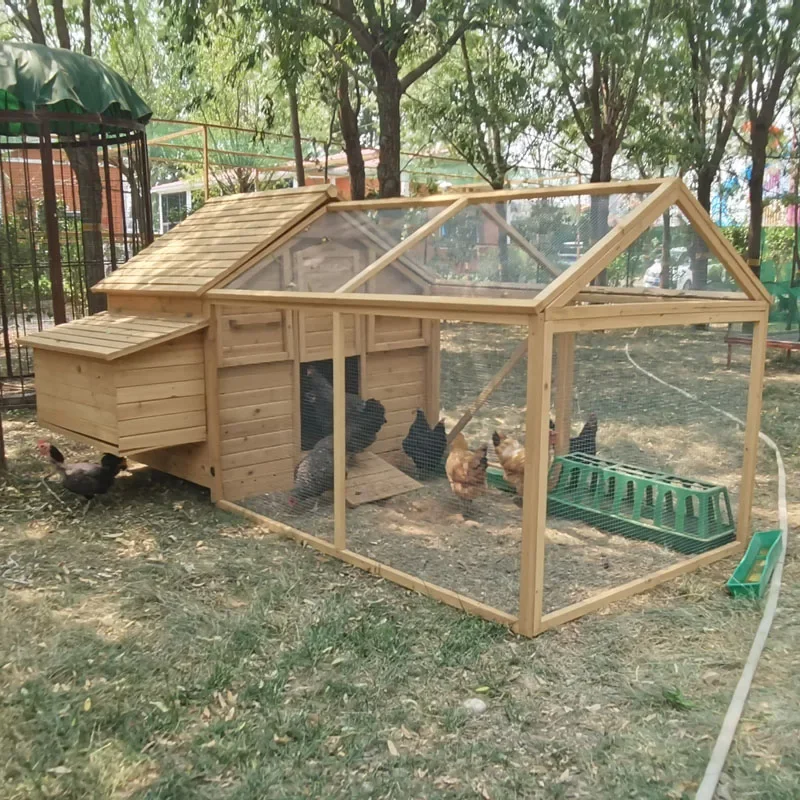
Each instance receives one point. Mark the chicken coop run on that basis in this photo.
(467, 395)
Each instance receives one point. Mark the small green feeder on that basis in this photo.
(751, 577)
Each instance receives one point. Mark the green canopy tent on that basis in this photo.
(35, 78)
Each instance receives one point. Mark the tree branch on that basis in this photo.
(429, 63)
(633, 89)
(32, 23)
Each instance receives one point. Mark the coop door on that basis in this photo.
(316, 398)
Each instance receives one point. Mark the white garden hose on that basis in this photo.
(725, 738)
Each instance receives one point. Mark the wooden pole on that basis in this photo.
(500, 376)
(51, 226)
(534, 252)
(206, 187)
(565, 376)
(758, 355)
(339, 436)
(534, 510)
(421, 233)
(211, 346)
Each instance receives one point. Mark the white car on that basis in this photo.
(680, 271)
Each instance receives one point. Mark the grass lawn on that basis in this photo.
(159, 648)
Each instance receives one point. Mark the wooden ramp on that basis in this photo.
(371, 478)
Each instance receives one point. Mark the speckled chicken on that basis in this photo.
(314, 474)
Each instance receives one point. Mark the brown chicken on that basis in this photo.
(511, 455)
(466, 470)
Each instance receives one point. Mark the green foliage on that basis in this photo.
(485, 100)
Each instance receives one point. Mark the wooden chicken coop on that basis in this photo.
(474, 308)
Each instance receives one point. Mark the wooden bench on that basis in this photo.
(777, 341)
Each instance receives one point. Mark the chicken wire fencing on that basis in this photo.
(409, 383)
(650, 474)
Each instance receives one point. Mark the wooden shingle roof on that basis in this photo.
(110, 336)
(214, 241)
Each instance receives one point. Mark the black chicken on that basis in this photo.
(314, 474)
(318, 403)
(424, 445)
(84, 479)
(586, 440)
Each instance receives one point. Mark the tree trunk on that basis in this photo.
(90, 191)
(389, 93)
(666, 252)
(699, 251)
(759, 137)
(602, 158)
(294, 113)
(348, 122)
(502, 242)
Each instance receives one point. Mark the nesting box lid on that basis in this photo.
(214, 241)
(110, 336)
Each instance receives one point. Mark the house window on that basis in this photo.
(174, 209)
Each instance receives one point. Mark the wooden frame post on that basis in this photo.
(213, 425)
(534, 510)
(339, 436)
(758, 355)
(565, 376)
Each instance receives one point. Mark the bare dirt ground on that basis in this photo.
(157, 648)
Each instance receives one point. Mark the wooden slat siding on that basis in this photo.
(149, 441)
(254, 397)
(259, 411)
(155, 408)
(98, 444)
(397, 379)
(278, 479)
(58, 369)
(163, 422)
(65, 417)
(190, 462)
(179, 307)
(161, 391)
(50, 404)
(161, 396)
(153, 375)
(264, 466)
(212, 234)
(257, 437)
(316, 336)
(239, 430)
(85, 397)
(280, 445)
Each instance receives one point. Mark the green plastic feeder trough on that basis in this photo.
(751, 577)
(687, 515)
(494, 477)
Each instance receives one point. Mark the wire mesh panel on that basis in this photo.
(515, 247)
(418, 504)
(649, 474)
